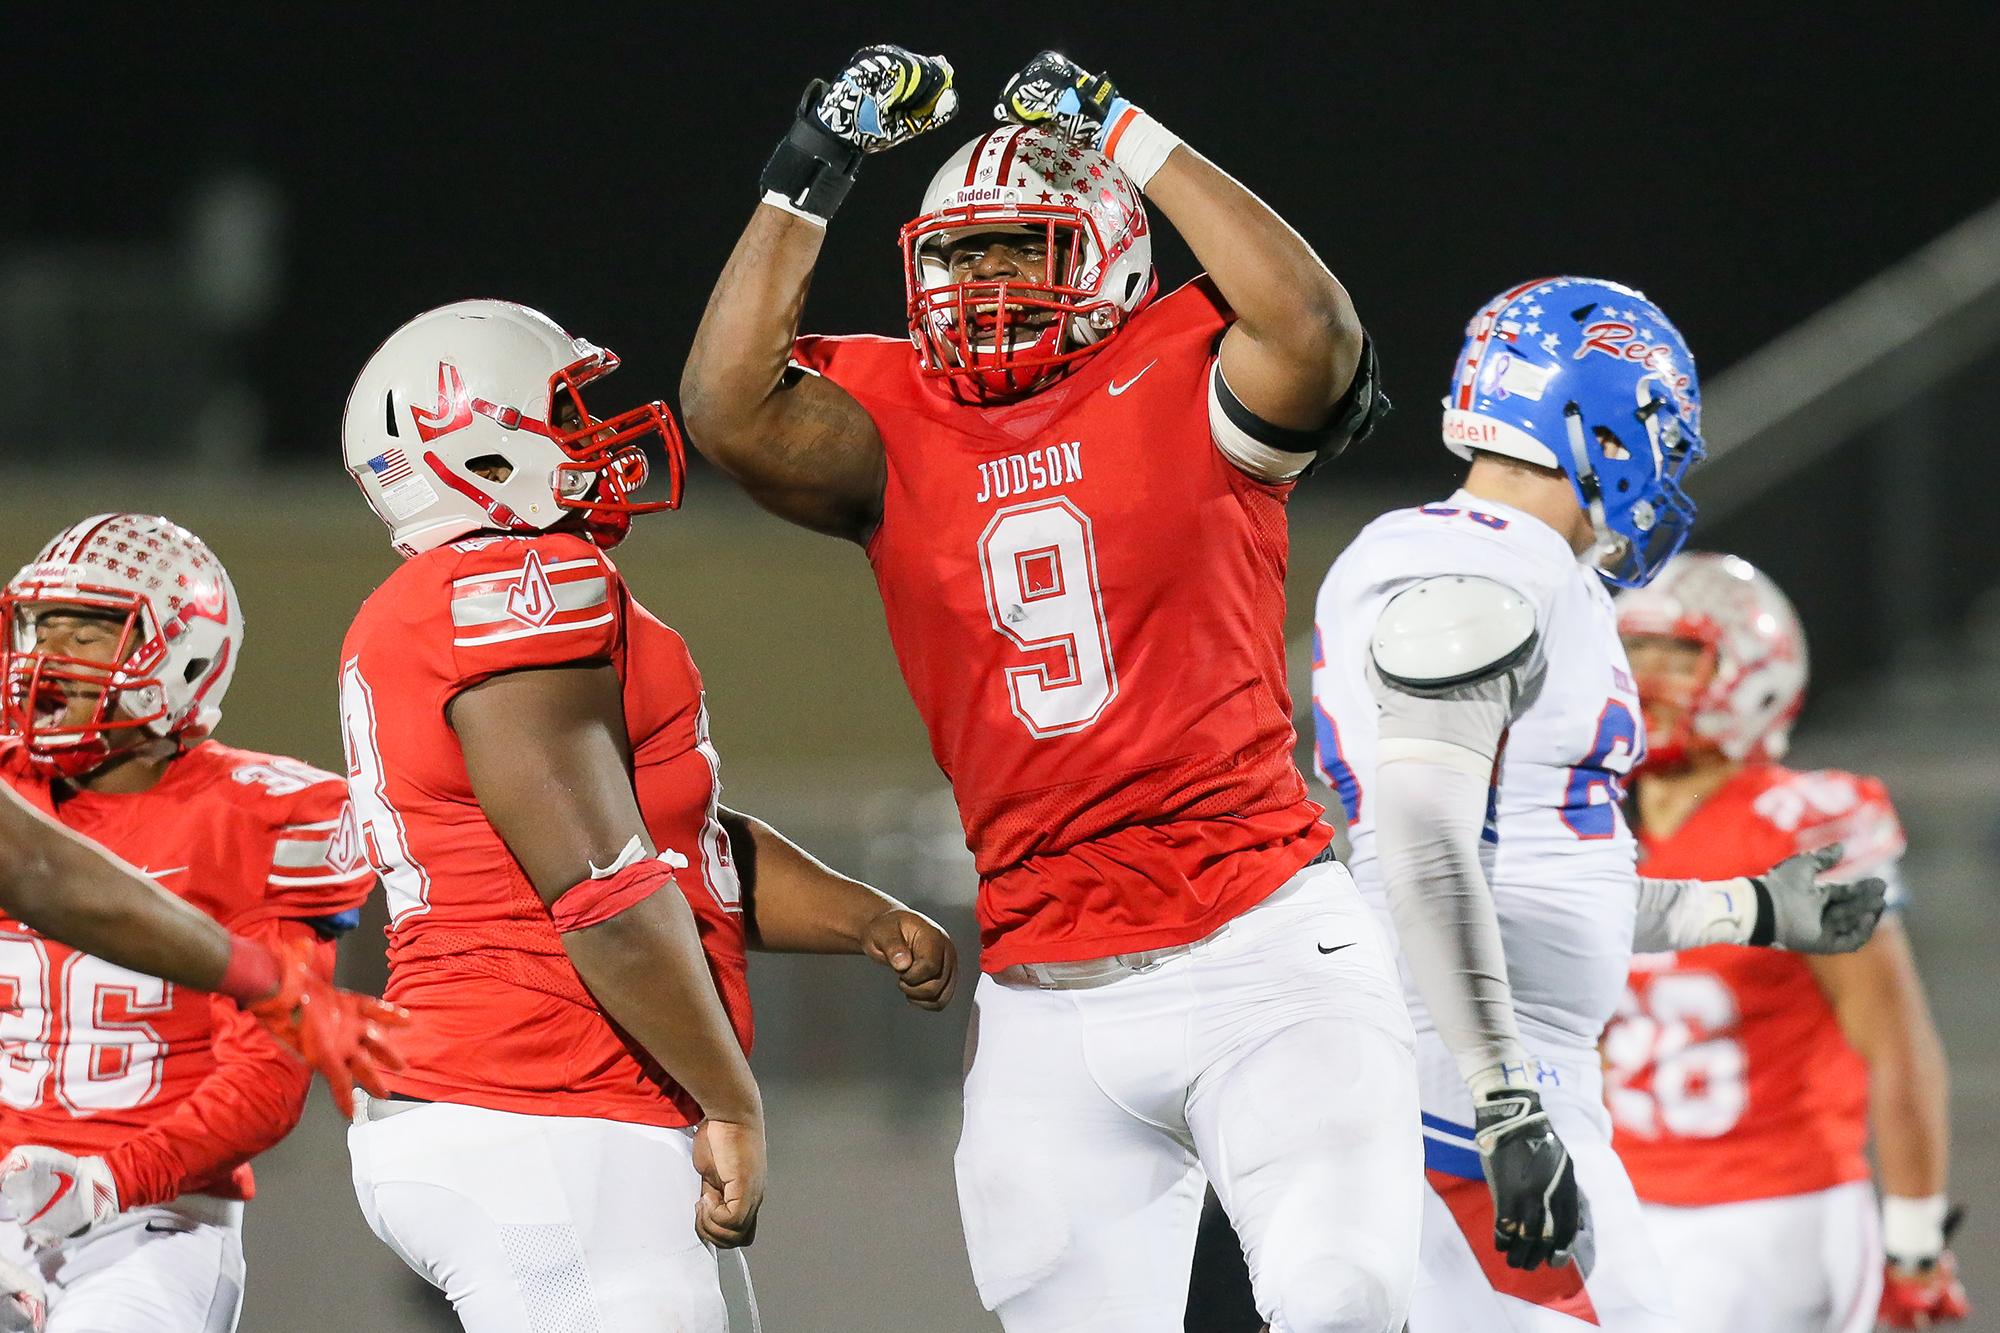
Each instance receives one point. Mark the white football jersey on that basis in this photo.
(1556, 848)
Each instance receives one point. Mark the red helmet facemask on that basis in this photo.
(1670, 704)
(36, 687)
(981, 335)
(606, 458)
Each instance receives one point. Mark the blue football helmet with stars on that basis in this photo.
(1589, 377)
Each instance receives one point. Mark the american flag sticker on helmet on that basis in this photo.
(391, 467)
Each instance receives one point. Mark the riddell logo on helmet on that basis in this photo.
(982, 194)
(1458, 430)
(453, 410)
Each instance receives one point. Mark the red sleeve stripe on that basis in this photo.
(354, 875)
(526, 632)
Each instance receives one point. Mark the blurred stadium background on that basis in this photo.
(204, 235)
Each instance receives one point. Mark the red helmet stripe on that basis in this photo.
(1469, 372)
(978, 153)
(1014, 133)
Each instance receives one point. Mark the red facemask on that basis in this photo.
(36, 687)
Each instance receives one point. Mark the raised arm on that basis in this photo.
(549, 760)
(799, 443)
(1297, 371)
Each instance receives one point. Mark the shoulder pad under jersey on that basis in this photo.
(1454, 629)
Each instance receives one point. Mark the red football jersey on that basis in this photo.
(177, 1089)
(501, 1018)
(1727, 1073)
(1087, 601)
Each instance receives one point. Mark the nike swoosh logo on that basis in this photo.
(161, 874)
(1115, 389)
(65, 1182)
(1336, 948)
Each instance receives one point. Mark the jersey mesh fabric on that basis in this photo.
(502, 1020)
(178, 1088)
(1729, 1077)
(1087, 603)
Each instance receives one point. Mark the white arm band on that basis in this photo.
(1677, 914)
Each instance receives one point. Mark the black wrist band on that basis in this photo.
(1766, 928)
(811, 166)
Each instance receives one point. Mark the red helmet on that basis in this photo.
(180, 629)
(1752, 679)
(1000, 339)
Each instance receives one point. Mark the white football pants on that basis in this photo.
(1803, 1263)
(1275, 1056)
(542, 1224)
(173, 1268)
(1464, 1283)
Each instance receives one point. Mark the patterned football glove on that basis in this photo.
(24, 1300)
(1538, 1211)
(1811, 917)
(886, 96)
(55, 1196)
(1055, 93)
(1920, 1286)
(348, 1038)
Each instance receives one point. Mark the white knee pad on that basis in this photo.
(1329, 1295)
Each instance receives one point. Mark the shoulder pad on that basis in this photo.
(1452, 630)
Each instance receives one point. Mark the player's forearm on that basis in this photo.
(62, 887)
(734, 371)
(249, 1103)
(646, 967)
(1285, 298)
(1678, 914)
(1428, 817)
(796, 903)
(1878, 997)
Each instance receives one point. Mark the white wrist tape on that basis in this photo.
(1679, 914)
(1913, 1229)
(1139, 144)
(777, 199)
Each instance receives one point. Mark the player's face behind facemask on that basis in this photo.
(1671, 673)
(1005, 323)
(63, 686)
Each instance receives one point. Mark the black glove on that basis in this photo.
(1537, 1208)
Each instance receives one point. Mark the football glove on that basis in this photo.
(348, 1038)
(54, 1196)
(1538, 1211)
(1054, 92)
(24, 1301)
(1811, 917)
(886, 96)
(1920, 1286)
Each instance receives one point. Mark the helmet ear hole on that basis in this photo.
(486, 465)
(195, 669)
(1132, 281)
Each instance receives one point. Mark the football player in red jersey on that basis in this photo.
(1743, 1082)
(528, 751)
(1073, 497)
(130, 1106)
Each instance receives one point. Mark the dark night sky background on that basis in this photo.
(1743, 164)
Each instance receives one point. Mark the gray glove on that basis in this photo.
(1808, 916)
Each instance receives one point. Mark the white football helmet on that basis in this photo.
(1754, 669)
(180, 632)
(479, 382)
(1005, 338)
